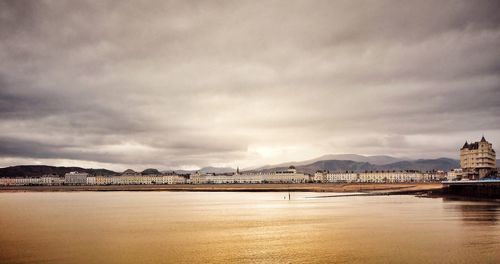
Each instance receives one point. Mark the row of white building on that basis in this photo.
(378, 177)
(44, 180)
(288, 176)
(126, 179)
(78, 178)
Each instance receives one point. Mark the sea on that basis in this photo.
(245, 227)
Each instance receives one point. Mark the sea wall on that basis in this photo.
(484, 189)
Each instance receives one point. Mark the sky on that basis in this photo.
(188, 84)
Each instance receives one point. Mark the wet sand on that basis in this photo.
(381, 188)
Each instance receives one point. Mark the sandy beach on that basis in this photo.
(394, 188)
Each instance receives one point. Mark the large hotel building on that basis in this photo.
(478, 159)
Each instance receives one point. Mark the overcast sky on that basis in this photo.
(186, 84)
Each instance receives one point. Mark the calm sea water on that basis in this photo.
(195, 227)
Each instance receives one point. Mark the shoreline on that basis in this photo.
(373, 188)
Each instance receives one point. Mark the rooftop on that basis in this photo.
(474, 145)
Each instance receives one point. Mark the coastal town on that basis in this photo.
(477, 160)
(280, 131)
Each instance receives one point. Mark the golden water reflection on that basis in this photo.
(195, 227)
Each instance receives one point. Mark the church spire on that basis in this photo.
(483, 139)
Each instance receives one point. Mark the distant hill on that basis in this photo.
(217, 170)
(39, 170)
(424, 165)
(349, 165)
(183, 172)
(150, 171)
(336, 165)
(375, 160)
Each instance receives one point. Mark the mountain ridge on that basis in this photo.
(444, 164)
(40, 170)
(373, 159)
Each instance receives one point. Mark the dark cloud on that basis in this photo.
(188, 83)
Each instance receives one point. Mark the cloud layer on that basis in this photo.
(177, 84)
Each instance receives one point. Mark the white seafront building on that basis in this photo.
(286, 176)
(137, 179)
(91, 180)
(454, 175)
(20, 181)
(76, 178)
(43, 180)
(85, 179)
(130, 177)
(52, 180)
(374, 177)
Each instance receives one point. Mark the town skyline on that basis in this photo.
(371, 159)
(185, 84)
